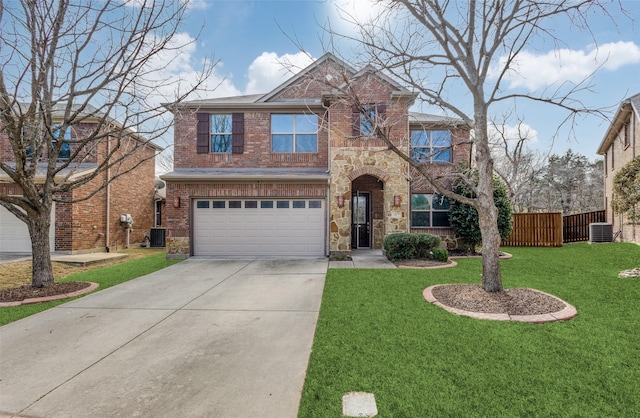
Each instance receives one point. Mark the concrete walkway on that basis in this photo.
(372, 259)
(202, 338)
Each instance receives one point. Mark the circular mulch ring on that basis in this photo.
(26, 295)
(520, 304)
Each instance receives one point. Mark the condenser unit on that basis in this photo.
(600, 232)
(157, 238)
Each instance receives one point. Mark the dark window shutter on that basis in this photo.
(381, 111)
(203, 132)
(355, 128)
(237, 137)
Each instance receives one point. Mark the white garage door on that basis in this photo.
(14, 234)
(278, 227)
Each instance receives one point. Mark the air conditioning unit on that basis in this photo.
(600, 232)
(157, 238)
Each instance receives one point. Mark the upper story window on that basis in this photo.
(366, 118)
(294, 133)
(431, 146)
(221, 133)
(627, 135)
(65, 149)
(429, 210)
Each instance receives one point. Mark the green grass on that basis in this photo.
(105, 277)
(376, 334)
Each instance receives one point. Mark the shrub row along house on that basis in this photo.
(620, 145)
(93, 224)
(298, 171)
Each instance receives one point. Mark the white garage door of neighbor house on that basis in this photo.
(14, 234)
(277, 227)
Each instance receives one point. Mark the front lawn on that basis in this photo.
(376, 334)
(105, 277)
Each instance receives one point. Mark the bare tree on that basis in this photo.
(440, 46)
(90, 67)
(514, 162)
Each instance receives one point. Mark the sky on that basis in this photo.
(248, 41)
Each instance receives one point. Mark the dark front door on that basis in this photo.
(361, 220)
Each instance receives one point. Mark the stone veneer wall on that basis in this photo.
(347, 164)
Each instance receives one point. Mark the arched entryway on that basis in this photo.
(367, 212)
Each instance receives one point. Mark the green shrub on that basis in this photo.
(404, 246)
(464, 218)
(424, 243)
(440, 254)
(399, 246)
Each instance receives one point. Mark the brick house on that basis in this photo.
(297, 172)
(94, 224)
(620, 145)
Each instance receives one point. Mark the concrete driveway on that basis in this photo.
(202, 338)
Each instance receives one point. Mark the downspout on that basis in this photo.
(108, 205)
(327, 212)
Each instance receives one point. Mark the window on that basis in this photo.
(431, 146)
(364, 123)
(368, 120)
(65, 149)
(429, 210)
(294, 133)
(627, 136)
(221, 132)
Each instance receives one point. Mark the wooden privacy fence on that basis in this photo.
(536, 230)
(575, 228)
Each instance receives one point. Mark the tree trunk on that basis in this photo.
(491, 276)
(42, 270)
(487, 210)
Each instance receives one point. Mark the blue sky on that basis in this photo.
(249, 39)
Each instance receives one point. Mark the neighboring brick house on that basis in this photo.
(93, 224)
(295, 172)
(620, 145)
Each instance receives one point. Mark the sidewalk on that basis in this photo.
(370, 259)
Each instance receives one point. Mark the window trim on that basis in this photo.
(430, 211)
(229, 134)
(294, 133)
(432, 150)
(65, 148)
(379, 115)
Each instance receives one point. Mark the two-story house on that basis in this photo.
(620, 145)
(298, 171)
(94, 224)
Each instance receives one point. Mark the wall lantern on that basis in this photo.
(340, 201)
(397, 199)
(176, 202)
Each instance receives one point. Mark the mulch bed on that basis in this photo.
(518, 301)
(27, 292)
